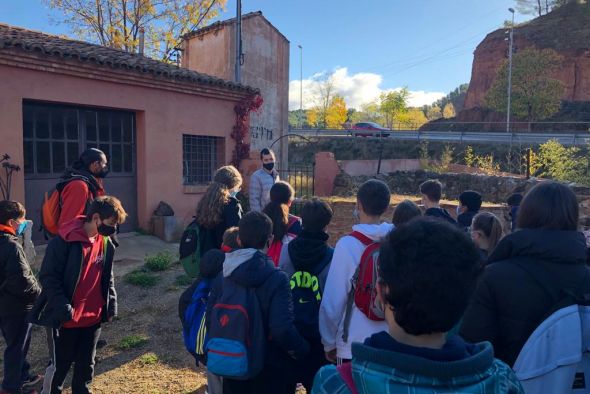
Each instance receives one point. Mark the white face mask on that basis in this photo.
(458, 210)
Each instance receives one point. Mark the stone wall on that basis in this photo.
(494, 189)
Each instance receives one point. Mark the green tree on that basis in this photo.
(392, 104)
(562, 163)
(433, 113)
(539, 7)
(448, 111)
(535, 94)
(117, 23)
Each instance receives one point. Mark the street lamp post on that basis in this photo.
(301, 87)
(510, 46)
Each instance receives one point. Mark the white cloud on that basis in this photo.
(357, 89)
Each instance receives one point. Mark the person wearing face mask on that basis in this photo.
(82, 183)
(262, 181)
(18, 291)
(78, 293)
(219, 209)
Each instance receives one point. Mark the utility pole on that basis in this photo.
(238, 70)
(301, 88)
(510, 46)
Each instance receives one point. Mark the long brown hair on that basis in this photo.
(281, 194)
(490, 226)
(210, 208)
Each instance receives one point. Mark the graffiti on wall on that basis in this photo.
(261, 133)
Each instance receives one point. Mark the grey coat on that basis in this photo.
(260, 184)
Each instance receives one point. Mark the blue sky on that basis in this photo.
(373, 45)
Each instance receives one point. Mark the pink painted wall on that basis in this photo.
(266, 67)
(162, 117)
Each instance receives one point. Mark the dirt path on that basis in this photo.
(161, 364)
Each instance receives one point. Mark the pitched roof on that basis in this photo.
(220, 24)
(12, 37)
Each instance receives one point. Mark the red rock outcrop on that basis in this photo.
(565, 30)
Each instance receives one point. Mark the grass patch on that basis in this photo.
(142, 278)
(183, 280)
(149, 359)
(132, 342)
(159, 262)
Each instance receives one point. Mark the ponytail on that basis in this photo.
(281, 194)
(490, 226)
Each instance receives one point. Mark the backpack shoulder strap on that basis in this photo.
(345, 372)
(362, 237)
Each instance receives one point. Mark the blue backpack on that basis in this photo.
(237, 342)
(194, 331)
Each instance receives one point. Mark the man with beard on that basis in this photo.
(81, 184)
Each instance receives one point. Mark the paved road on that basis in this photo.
(456, 136)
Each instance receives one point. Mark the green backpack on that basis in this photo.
(190, 250)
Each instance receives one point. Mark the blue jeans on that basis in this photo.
(17, 334)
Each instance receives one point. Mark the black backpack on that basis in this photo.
(190, 250)
(307, 291)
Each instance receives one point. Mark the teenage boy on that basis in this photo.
(18, 291)
(262, 180)
(431, 192)
(513, 202)
(250, 267)
(428, 271)
(306, 260)
(372, 201)
(78, 293)
(469, 205)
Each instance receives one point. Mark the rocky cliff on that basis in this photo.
(565, 30)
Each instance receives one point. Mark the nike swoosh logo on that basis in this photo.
(302, 301)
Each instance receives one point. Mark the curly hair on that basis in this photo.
(429, 269)
(281, 194)
(210, 208)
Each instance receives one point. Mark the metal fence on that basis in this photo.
(301, 177)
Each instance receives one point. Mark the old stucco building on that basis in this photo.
(211, 50)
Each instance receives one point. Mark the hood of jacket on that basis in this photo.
(248, 267)
(84, 175)
(556, 246)
(478, 372)
(308, 250)
(374, 231)
(73, 231)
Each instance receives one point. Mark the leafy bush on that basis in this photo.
(562, 163)
(132, 342)
(159, 262)
(149, 359)
(142, 278)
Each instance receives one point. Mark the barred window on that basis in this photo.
(201, 156)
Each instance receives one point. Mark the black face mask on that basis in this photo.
(102, 173)
(269, 166)
(105, 230)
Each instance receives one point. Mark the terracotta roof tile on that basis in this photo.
(53, 46)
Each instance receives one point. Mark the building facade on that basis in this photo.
(164, 129)
(211, 50)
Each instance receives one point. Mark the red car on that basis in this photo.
(368, 129)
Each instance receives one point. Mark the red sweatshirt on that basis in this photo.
(74, 197)
(88, 301)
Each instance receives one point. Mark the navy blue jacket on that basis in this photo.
(274, 293)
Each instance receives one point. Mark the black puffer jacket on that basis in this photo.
(509, 303)
(18, 287)
(59, 277)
